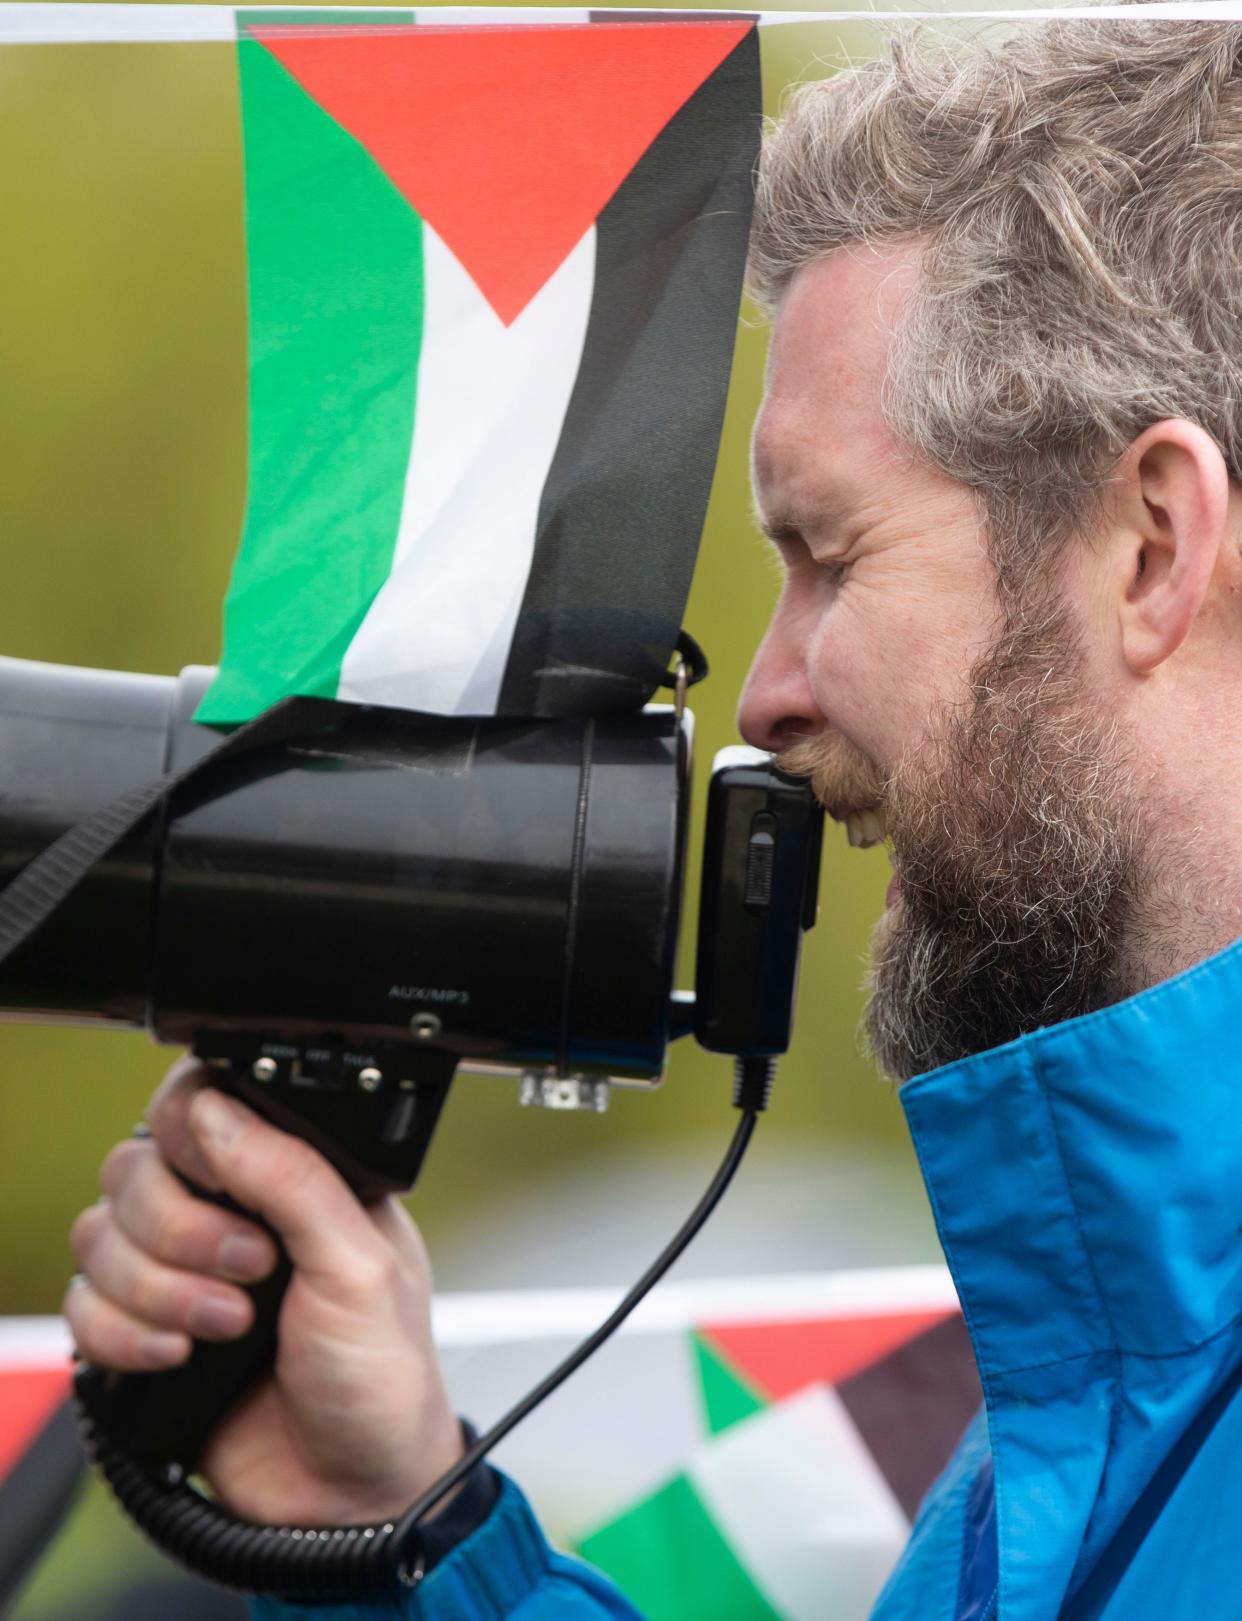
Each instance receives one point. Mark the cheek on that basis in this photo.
(873, 666)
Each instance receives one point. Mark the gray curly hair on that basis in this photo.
(1079, 189)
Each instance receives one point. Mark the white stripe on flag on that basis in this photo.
(803, 1505)
(638, 1399)
(490, 404)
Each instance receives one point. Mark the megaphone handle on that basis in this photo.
(164, 1420)
(376, 1138)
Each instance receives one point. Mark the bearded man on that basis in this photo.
(1000, 455)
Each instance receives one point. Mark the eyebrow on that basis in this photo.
(792, 523)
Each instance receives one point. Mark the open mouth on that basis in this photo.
(864, 825)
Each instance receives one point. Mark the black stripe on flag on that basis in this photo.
(912, 1406)
(623, 506)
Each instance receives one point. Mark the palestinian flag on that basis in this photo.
(744, 1448)
(827, 1431)
(494, 274)
(42, 1462)
(35, 1376)
(755, 1444)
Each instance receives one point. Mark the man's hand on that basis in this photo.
(354, 1423)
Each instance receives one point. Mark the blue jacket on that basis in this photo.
(1087, 1186)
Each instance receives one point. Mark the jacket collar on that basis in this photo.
(1087, 1185)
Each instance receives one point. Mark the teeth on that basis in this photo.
(865, 828)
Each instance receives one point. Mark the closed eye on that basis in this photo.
(788, 550)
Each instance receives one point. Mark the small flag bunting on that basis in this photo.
(717, 1484)
(825, 1433)
(34, 1379)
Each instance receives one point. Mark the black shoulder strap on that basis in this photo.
(31, 898)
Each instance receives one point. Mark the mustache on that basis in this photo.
(841, 776)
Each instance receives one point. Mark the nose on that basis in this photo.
(777, 706)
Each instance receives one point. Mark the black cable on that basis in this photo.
(334, 1561)
(694, 657)
(575, 1359)
(45, 882)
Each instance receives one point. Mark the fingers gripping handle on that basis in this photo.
(376, 1139)
(148, 1432)
(165, 1420)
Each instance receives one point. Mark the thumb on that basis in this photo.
(329, 1236)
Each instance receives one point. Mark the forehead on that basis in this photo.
(820, 430)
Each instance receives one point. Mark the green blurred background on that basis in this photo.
(122, 480)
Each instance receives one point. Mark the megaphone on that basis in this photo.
(361, 902)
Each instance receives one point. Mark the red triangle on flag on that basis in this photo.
(507, 141)
(28, 1397)
(782, 1358)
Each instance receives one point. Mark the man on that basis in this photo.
(1000, 454)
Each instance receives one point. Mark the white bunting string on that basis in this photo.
(91, 24)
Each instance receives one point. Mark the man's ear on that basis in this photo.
(1173, 522)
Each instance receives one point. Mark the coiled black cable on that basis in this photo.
(355, 1561)
(294, 1562)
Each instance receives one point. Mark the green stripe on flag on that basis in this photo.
(336, 321)
(728, 1396)
(671, 1562)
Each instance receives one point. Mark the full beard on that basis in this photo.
(1018, 839)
